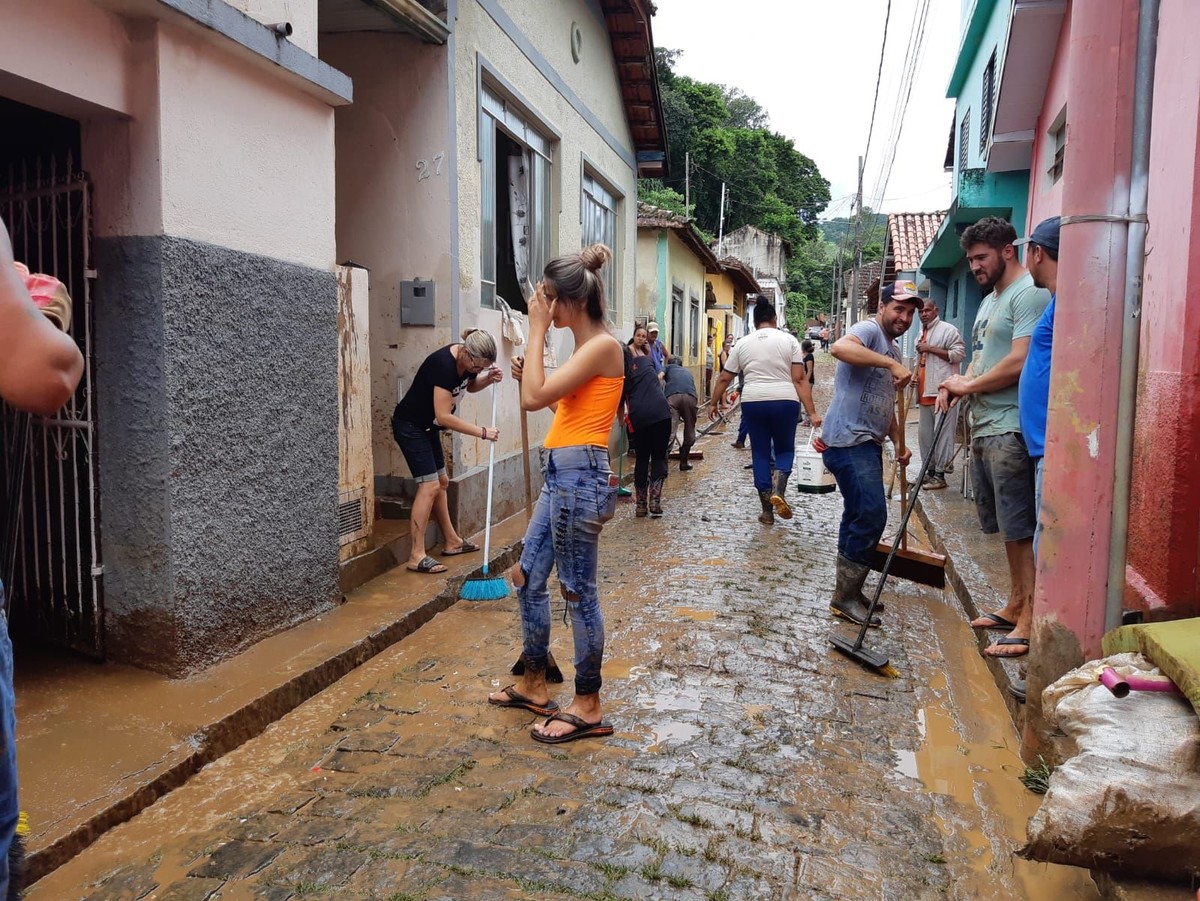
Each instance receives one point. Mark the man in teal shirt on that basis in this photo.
(1002, 472)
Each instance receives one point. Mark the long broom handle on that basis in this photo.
(525, 459)
(862, 632)
(902, 423)
(487, 528)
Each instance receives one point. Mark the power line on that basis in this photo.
(878, 80)
(916, 46)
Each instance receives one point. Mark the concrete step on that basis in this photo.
(391, 543)
(394, 507)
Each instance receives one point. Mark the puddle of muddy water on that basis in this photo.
(968, 755)
(696, 615)
(671, 732)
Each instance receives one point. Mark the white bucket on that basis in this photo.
(811, 474)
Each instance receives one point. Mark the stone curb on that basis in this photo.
(231, 731)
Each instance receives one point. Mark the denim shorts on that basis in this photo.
(1002, 475)
(422, 449)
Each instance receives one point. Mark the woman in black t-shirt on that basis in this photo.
(810, 368)
(650, 418)
(417, 423)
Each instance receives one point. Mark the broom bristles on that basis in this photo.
(484, 589)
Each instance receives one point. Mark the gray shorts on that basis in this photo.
(1002, 474)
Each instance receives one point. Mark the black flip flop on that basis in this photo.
(1009, 641)
(516, 699)
(428, 566)
(468, 547)
(583, 729)
(998, 623)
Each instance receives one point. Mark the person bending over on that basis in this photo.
(426, 409)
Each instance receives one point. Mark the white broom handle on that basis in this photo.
(487, 529)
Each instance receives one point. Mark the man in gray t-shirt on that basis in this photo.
(1002, 473)
(861, 415)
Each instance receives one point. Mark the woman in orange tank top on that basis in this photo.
(579, 494)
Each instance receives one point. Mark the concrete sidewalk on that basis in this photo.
(98, 743)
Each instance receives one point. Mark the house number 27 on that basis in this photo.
(423, 167)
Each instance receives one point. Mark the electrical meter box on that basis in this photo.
(417, 302)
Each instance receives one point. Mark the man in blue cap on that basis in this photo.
(1034, 392)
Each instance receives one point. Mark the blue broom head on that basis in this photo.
(485, 588)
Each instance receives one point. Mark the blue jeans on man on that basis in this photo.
(859, 474)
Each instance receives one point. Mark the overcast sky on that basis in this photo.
(812, 65)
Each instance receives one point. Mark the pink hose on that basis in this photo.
(1120, 685)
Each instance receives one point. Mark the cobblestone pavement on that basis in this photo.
(749, 761)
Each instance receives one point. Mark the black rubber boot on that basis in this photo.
(848, 600)
(656, 487)
(779, 495)
(767, 517)
(684, 452)
(640, 509)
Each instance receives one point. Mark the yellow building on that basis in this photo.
(673, 262)
(727, 291)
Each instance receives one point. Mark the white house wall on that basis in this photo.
(390, 219)
(247, 162)
(215, 315)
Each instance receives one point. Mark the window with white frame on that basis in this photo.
(964, 137)
(987, 97)
(694, 325)
(515, 221)
(676, 335)
(1057, 146)
(599, 226)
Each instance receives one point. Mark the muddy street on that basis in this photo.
(749, 761)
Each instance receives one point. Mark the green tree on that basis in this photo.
(769, 183)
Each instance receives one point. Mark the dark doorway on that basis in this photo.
(49, 528)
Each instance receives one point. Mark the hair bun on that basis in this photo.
(595, 256)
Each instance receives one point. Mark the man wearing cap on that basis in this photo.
(941, 349)
(861, 415)
(1041, 259)
(658, 350)
(1002, 472)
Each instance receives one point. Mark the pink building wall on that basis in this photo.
(1073, 553)
(1045, 194)
(1164, 540)
(1093, 76)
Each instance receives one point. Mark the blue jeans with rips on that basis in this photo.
(578, 497)
(859, 474)
(772, 425)
(9, 809)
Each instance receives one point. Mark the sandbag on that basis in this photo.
(1129, 800)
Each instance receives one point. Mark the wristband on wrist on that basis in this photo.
(483, 431)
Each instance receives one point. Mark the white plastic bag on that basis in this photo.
(1129, 801)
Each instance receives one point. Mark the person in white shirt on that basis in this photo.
(776, 384)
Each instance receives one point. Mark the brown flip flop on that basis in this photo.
(516, 699)
(583, 729)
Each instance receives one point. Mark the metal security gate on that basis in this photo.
(55, 590)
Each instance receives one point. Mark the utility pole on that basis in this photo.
(721, 225)
(857, 253)
(833, 303)
(687, 184)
